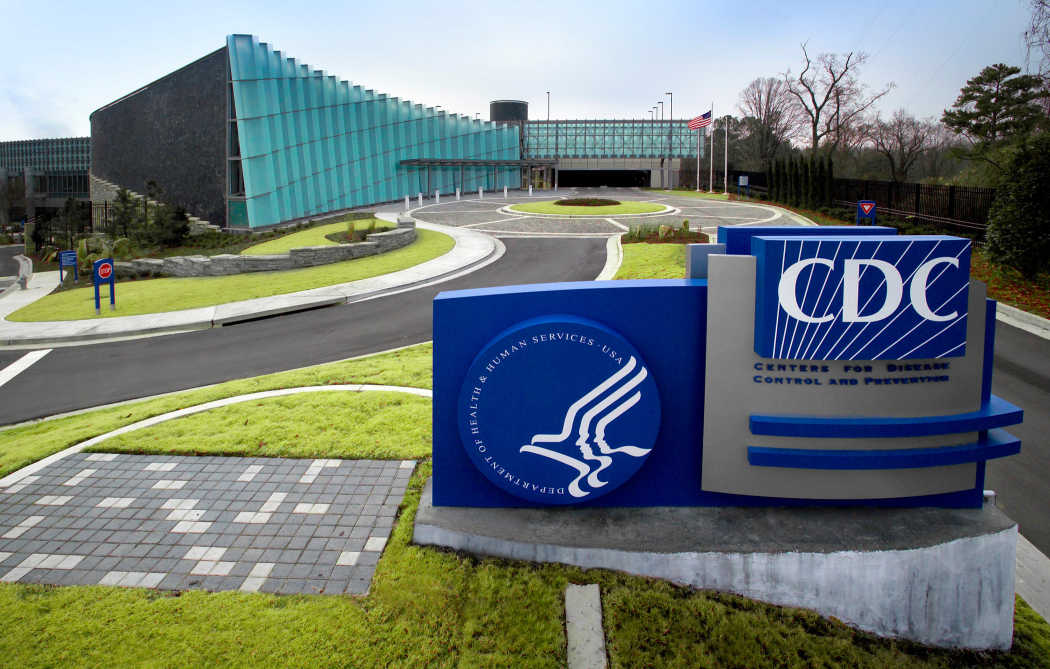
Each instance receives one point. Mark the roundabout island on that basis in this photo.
(589, 206)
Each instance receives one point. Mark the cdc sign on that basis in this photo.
(813, 366)
(872, 298)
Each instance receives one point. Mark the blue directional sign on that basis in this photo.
(867, 298)
(866, 212)
(104, 272)
(67, 259)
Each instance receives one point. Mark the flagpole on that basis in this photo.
(711, 180)
(725, 172)
(698, 160)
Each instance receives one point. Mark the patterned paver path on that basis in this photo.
(211, 523)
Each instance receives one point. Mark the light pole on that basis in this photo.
(661, 103)
(548, 106)
(670, 144)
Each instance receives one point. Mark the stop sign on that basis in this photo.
(105, 270)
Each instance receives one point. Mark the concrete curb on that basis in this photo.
(614, 249)
(1022, 320)
(17, 476)
(472, 251)
(25, 269)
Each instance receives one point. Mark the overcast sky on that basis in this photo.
(609, 59)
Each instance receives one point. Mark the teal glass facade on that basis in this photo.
(611, 139)
(302, 142)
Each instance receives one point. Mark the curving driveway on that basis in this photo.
(485, 215)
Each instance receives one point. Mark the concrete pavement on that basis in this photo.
(471, 250)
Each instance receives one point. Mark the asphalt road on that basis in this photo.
(77, 377)
(1022, 482)
(8, 264)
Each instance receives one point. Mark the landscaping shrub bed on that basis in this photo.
(588, 202)
(653, 233)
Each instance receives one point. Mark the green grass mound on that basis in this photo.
(556, 207)
(174, 294)
(317, 236)
(336, 424)
(652, 261)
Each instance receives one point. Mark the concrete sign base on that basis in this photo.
(943, 577)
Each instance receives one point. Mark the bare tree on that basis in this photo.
(831, 96)
(1037, 35)
(902, 140)
(776, 118)
(939, 160)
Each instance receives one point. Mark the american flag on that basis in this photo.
(701, 121)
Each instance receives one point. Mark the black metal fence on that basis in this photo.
(959, 208)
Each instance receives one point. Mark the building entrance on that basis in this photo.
(596, 178)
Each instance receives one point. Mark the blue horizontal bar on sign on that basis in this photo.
(994, 413)
(994, 444)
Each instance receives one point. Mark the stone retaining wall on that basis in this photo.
(310, 256)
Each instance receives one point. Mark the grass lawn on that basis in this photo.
(173, 294)
(312, 237)
(426, 608)
(652, 261)
(20, 446)
(345, 425)
(627, 207)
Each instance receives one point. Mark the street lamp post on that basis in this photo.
(548, 105)
(670, 144)
(664, 184)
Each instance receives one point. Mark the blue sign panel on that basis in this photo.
(738, 238)
(103, 272)
(67, 259)
(558, 410)
(866, 212)
(881, 298)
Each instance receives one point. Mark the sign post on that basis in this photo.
(103, 273)
(866, 211)
(743, 181)
(67, 259)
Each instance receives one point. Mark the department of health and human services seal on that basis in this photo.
(558, 410)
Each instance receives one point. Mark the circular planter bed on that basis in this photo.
(591, 207)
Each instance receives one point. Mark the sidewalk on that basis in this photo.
(472, 250)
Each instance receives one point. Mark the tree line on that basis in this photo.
(802, 127)
(826, 108)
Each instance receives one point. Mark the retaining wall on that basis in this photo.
(310, 256)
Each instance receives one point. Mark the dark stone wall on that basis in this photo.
(172, 131)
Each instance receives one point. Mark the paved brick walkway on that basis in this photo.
(179, 523)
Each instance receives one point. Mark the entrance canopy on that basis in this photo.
(450, 162)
